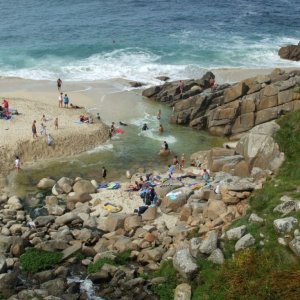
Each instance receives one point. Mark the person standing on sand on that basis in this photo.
(43, 129)
(18, 163)
(66, 101)
(60, 100)
(104, 173)
(59, 83)
(33, 128)
(56, 123)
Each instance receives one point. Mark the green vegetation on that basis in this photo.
(121, 259)
(268, 271)
(35, 260)
(97, 266)
(165, 290)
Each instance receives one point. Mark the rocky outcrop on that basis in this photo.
(291, 52)
(230, 110)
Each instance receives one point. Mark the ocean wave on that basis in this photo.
(141, 65)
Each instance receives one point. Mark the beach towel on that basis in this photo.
(102, 186)
(78, 122)
(113, 186)
(173, 195)
(120, 131)
(111, 207)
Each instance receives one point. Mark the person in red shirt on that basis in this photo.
(5, 105)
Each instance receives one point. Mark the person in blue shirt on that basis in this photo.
(66, 101)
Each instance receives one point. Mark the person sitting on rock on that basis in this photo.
(205, 175)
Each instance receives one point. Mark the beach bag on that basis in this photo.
(143, 194)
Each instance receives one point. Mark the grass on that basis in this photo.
(97, 266)
(165, 291)
(121, 259)
(35, 260)
(268, 271)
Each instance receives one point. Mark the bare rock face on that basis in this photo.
(230, 110)
(260, 149)
(290, 52)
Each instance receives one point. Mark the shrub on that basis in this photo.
(35, 260)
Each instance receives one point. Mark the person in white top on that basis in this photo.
(18, 163)
(60, 100)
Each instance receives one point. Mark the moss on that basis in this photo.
(123, 258)
(35, 260)
(97, 266)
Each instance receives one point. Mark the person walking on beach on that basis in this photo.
(33, 128)
(66, 101)
(60, 100)
(18, 163)
(43, 129)
(56, 123)
(59, 83)
(104, 173)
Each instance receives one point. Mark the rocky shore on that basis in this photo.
(118, 255)
(230, 110)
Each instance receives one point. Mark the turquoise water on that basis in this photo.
(132, 150)
(139, 39)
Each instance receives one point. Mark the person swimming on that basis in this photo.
(161, 129)
(122, 124)
(145, 127)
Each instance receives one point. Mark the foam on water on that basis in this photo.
(86, 285)
(101, 148)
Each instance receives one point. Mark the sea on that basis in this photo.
(141, 39)
(109, 40)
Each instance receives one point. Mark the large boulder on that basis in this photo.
(132, 222)
(245, 242)
(285, 225)
(214, 209)
(84, 187)
(46, 184)
(295, 245)
(236, 233)
(175, 200)
(209, 243)
(114, 222)
(217, 257)
(168, 186)
(183, 291)
(290, 52)
(184, 263)
(259, 148)
(65, 184)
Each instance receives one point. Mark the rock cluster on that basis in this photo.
(229, 110)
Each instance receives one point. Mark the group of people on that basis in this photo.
(5, 112)
(43, 129)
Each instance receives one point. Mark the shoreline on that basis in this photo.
(70, 138)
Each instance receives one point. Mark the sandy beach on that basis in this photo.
(31, 102)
